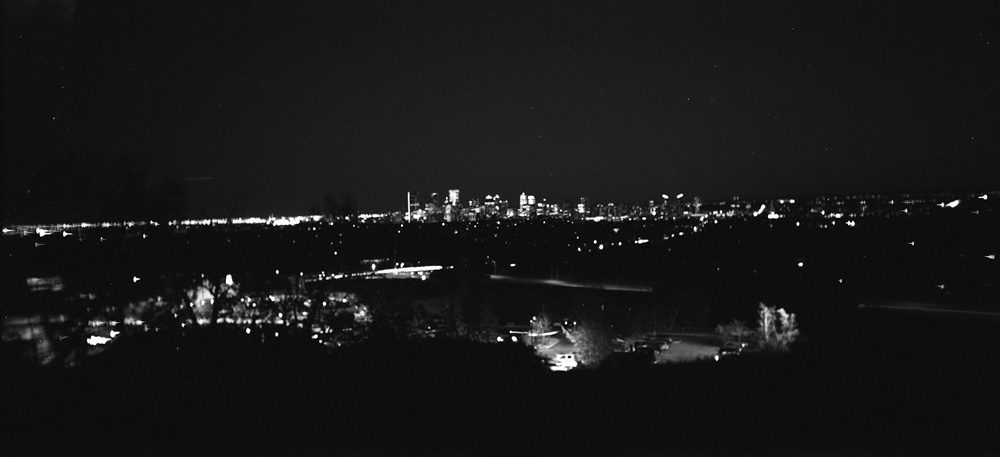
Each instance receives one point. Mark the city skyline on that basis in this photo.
(619, 102)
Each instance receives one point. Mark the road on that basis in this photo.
(689, 347)
(561, 283)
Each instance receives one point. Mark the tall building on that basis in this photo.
(522, 209)
(453, 197)
(490, 208)
(412, 204)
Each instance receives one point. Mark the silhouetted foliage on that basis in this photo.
(776, 328)
(236, 206)
(336, 207)
(736, 330)
(594, 341)
(68, 187)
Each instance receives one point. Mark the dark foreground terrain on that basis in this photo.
(892, 383)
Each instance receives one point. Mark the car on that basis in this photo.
(647, 353)
(563, 362)
(730, 348)
(662, 341)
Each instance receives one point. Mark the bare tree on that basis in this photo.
(237, 205)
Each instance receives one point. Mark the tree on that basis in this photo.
(540, 326)
(483, 322)
(765, 322)
(68, 186)
(789, 328)
(771, 336)
(593, 340)
(207, 298)
(236, 206)
(336, 207)
(736, 328)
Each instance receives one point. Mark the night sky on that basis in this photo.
(617, 101)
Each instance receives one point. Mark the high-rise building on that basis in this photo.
(523, 208)
(412, 204)
(584, 207)
(453, 197)
(490, 208)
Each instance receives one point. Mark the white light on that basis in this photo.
(499, 339)
(248, 331)
(952, 204)
(680, 195)
(600, 247)
(276, 272)
(115, 333)
(135, 279)
(983, 196)
(513, 265)
(992, 257)
(801, 264)
(95, 340)
(665, 197)
(513, 338)
(229, 280)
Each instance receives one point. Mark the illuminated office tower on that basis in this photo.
(453, 197)
(490, 208)
(412, 204)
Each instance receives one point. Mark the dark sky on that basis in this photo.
(617, 101)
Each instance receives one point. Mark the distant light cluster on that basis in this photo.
(493, 208)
